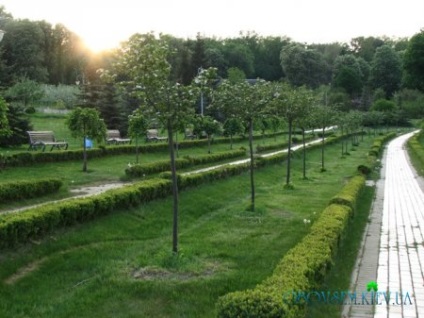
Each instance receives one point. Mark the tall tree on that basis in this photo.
(142, 61)
(386, 70)
(413, 62)
(23, 52)
(4, 122)
(323, 116)
(248, 102)
(292, 104)
(303, 66)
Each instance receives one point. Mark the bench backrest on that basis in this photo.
(43, 136)
(113, 134)
(152, 133)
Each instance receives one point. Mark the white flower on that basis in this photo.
(129, 165)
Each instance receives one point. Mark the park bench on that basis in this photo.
(188, 134)
(43, 139)
(114, 137)
(153, 135)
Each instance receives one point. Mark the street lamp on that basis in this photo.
(1, 34)
(199, 72)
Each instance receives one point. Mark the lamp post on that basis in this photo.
(199, 72)
(1, 34)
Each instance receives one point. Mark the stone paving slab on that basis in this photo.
(392, 251)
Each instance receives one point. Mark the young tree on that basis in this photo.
(290, 103)
(143, 63)
(25, 91)
(208, 125)
(137, 126)
(247, 102)
(86, 123)
(232, 126)
(323, 116)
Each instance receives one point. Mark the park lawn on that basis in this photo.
(57, 124)
(121, 265)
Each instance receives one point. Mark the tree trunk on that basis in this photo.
(322, 149)
(176, 144)
(304, 153)
(174, 189)
(209, 143)
(84, 152)
(342, 141)
(252, 166)
(137, 151)
(231, 141)
(289, 153)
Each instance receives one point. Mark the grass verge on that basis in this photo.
(121, 265)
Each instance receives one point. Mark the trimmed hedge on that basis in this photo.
(350, 192)
(303, 268)
(282, 145)
(378, 144)
(29, 158)
(416, 148)
(21, 190)
(141, 170)
(23, 226)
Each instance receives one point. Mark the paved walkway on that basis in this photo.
(392, 252)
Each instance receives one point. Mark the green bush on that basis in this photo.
(350, 192)
(140, 170)
(21, 190)
(302, 269)
(21, 227)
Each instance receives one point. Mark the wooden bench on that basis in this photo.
(153, 135)
(41, 139)
(188, 134)
(114, 137)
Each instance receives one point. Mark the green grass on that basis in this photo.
(121, 265)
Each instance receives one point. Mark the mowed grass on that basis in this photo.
(121, 265)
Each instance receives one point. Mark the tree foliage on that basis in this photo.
(386, 70)
(414, 62)
(86, 123)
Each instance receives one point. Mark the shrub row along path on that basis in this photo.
(94, 190)
(392, 253)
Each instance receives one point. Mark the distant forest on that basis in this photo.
(358, 73)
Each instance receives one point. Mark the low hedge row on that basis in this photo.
(378, 144)
(140, 170)
(21, 190)
(264, 148)
(349, 193)
(26, 225)
(23, 226)
(33, 157)
(302, 269)
(417, 149)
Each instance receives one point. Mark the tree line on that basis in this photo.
(358, 74)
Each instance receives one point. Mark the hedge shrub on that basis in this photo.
(140, 170)
(303, 268)
(21, 190)
(350, 192)
(29, 224)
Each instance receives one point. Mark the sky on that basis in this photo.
(104, 24)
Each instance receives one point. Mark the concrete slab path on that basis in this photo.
(392, 252)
